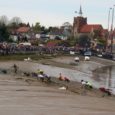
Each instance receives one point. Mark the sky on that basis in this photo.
(56, 12)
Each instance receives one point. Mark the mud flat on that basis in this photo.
(23, 95)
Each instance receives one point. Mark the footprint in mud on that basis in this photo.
(29, 81)
(19, 78)
(21, 90)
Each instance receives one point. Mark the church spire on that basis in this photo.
(80, 11)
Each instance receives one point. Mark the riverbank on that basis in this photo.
(63, 62)
(22, 94)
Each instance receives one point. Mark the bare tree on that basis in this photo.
(3, 20)
(14, 22)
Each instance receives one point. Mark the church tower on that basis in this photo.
(79, 21)
(80, 11)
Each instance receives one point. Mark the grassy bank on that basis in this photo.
(21, 57)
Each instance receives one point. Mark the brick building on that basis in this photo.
(93, 31)
(80, 26)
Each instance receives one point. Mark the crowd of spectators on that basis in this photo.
(10, 48)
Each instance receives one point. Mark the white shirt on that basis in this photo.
(83, 83)
(40, 76)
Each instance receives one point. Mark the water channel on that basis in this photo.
(97, 74)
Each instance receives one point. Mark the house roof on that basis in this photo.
(88, 28)
(23, 29)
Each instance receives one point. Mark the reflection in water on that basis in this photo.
(100, 74)
(106, 76)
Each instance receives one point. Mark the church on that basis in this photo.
(92, 31)
(80, 26)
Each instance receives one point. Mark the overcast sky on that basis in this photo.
(56, 12)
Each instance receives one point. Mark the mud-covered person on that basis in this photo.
(15, 67)
(40, 75)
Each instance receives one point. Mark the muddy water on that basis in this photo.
(105, 76)
(99, 77)
(72, 74)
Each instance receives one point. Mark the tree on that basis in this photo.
(50, 29)
(72, 40)
(84, 41)
(4, 34)
(96, 34)
(15, 21)
(37, 27)
(101, 41)
(44, 30)
(3, 20)
(28, 24)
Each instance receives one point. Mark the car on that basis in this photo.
(76, 59)
(87, 53)
(108, 55)
(99, 55)
(87, 58)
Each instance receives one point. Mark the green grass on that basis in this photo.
(23, 56)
